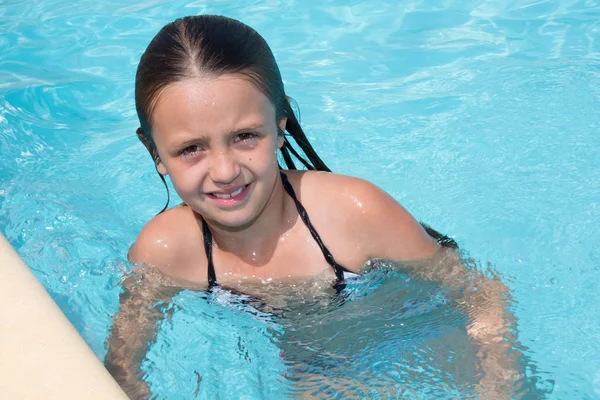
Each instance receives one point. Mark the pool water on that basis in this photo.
(480, 117)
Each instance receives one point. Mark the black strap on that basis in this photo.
(212, 276)
(339, 285)
(338, 269)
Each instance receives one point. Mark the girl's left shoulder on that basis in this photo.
(358, 210)
(348, 194)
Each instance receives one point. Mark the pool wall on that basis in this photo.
(43, 356)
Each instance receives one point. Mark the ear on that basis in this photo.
(282, 123)
(160, 167)
(146, 142)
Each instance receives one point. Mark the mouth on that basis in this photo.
(228, 195)
(230, 198)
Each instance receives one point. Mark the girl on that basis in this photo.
(214, 116)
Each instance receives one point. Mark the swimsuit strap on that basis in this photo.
(339, 285)
(212, 276)
(338, 269)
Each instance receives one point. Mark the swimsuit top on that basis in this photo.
(339, 284)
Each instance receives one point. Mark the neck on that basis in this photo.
(255, 242)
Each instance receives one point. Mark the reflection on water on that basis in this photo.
(480, 117)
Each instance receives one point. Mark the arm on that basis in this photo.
(490, 324)
(127, 344)
(141, 304)
(134, 329)
(395, 235)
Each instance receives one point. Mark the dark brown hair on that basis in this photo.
(212, 45)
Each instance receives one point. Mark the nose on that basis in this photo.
(224, 168)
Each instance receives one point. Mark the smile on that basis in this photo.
(236, 197)
(229, 195)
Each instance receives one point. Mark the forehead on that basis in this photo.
(208, 105)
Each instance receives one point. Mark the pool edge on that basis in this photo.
(43, 356)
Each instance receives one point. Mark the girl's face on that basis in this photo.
(217, 140)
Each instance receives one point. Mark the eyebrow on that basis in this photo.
(249, 128)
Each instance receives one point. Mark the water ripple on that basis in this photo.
(482, 118)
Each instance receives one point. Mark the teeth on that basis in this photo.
(237, 192)
(226, 196)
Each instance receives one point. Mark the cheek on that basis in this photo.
(263, 156)
(185, 179)
(180, 184)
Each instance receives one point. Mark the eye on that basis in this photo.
(245, 137)
(190, 151)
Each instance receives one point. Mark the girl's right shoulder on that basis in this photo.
(170, 241)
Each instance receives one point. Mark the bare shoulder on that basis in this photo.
(366, 216)
(328, 183)
(355, 198)
(169, 242)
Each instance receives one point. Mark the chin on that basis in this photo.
(235, 224)
(232, 220)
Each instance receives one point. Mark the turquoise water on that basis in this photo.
(480, 117)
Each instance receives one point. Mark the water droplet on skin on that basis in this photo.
(358, 203)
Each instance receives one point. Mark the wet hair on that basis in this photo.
(212, 45)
